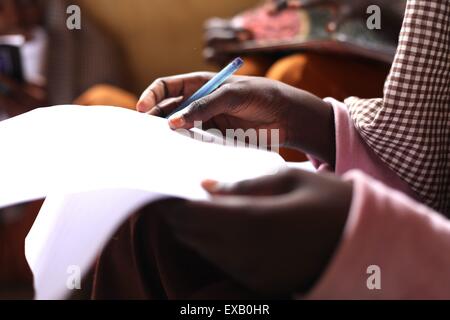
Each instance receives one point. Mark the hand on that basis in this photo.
(18, 98)
(304, 121)
(274, 235)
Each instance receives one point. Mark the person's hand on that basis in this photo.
(274, 235)
(304, 121)
(16, 98)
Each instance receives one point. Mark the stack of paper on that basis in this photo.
(96, 166)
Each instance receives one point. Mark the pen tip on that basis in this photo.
(238, 61)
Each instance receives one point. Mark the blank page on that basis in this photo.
(96, 166)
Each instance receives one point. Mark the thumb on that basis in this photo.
(203, 109)
(270, 185)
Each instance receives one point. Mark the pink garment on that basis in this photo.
(406, 240)
(353, 153)
(387, 229)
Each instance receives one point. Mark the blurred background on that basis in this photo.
(160, 37)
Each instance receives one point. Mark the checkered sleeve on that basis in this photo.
(409, 128)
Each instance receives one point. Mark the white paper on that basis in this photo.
(97, 165)
(71, 230)
(305, 166)
(71, 149)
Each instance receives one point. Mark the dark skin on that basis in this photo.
(274, 235)
(305, 121)
(20, 17)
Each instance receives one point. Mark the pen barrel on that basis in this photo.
(213, 84)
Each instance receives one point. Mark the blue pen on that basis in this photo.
(212, 84)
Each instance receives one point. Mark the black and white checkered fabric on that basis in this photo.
(409, 128)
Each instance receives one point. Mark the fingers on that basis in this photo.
(166, 107)
(271, 185)
(219, 102)
(171, 87)
(264, 186)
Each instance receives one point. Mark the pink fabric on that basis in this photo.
(408, 241)
(353, 153)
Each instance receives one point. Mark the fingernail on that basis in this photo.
(212, 186)
(177, 121)
(141, 107)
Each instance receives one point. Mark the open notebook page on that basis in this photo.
(96, 165)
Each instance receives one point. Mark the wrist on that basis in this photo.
(310, 126)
